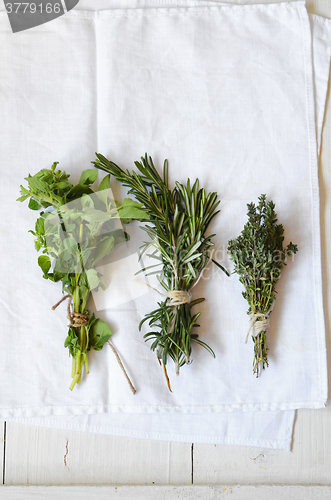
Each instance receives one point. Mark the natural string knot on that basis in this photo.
(76, 319)
(79, 319)
(178, 297)
(258, 325)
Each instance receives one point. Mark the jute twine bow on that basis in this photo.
(258, 325)
(77, 320)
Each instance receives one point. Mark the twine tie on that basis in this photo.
(258, 325)
(76, 319)
(79, 319)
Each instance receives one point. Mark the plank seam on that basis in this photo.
(4, 453)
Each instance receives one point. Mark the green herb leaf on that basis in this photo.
(22, 198)
(103, 191)
(88, 176)
(104, 248)
(40, 226)
(92, 278)
(45, 263)
(130, 212)
(78, 191)
(99, 334)
(105, 183)
(33, 204)
(37, 184)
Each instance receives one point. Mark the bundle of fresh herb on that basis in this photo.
(259, 257)
(179, 219)
(75, 229)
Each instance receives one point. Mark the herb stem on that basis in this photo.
(178, 221)
(73, 238)
(255, 254)
(74, 381)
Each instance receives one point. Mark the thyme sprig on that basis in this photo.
(259, 257)
(75, 229)
(179, 219)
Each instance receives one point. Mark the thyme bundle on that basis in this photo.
(179, 219)
(259, 257)
(78, 232)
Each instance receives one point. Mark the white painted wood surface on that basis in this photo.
(308, 463)
(47, 456)
(274, 493)
(2, 448)
(50, 456)
(166, 492)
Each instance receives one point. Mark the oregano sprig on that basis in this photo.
(259, 257)
(74, 230)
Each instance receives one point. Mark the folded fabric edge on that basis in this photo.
(323, 20)
(321, 34)
(284, 442)
(44, 411)
(313, 152)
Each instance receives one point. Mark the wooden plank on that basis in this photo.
(108, 493)
(165, 492)
(319, 7)
(308, 463)
(274, 493)
(2, 450)
(50, 456)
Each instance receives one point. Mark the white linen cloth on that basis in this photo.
(231, 94)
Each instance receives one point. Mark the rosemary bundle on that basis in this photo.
(259, 257)
(75, 229)
(178, 221)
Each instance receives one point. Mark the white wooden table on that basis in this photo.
(59, 458)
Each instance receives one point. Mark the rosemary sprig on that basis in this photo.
(259, 257)
(179, 219)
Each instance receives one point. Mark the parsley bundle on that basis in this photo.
(259, 257)
(179, 219)
(78, 232)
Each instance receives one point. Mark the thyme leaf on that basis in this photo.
(259, 257)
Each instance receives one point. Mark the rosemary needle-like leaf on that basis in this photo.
(178, 221)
